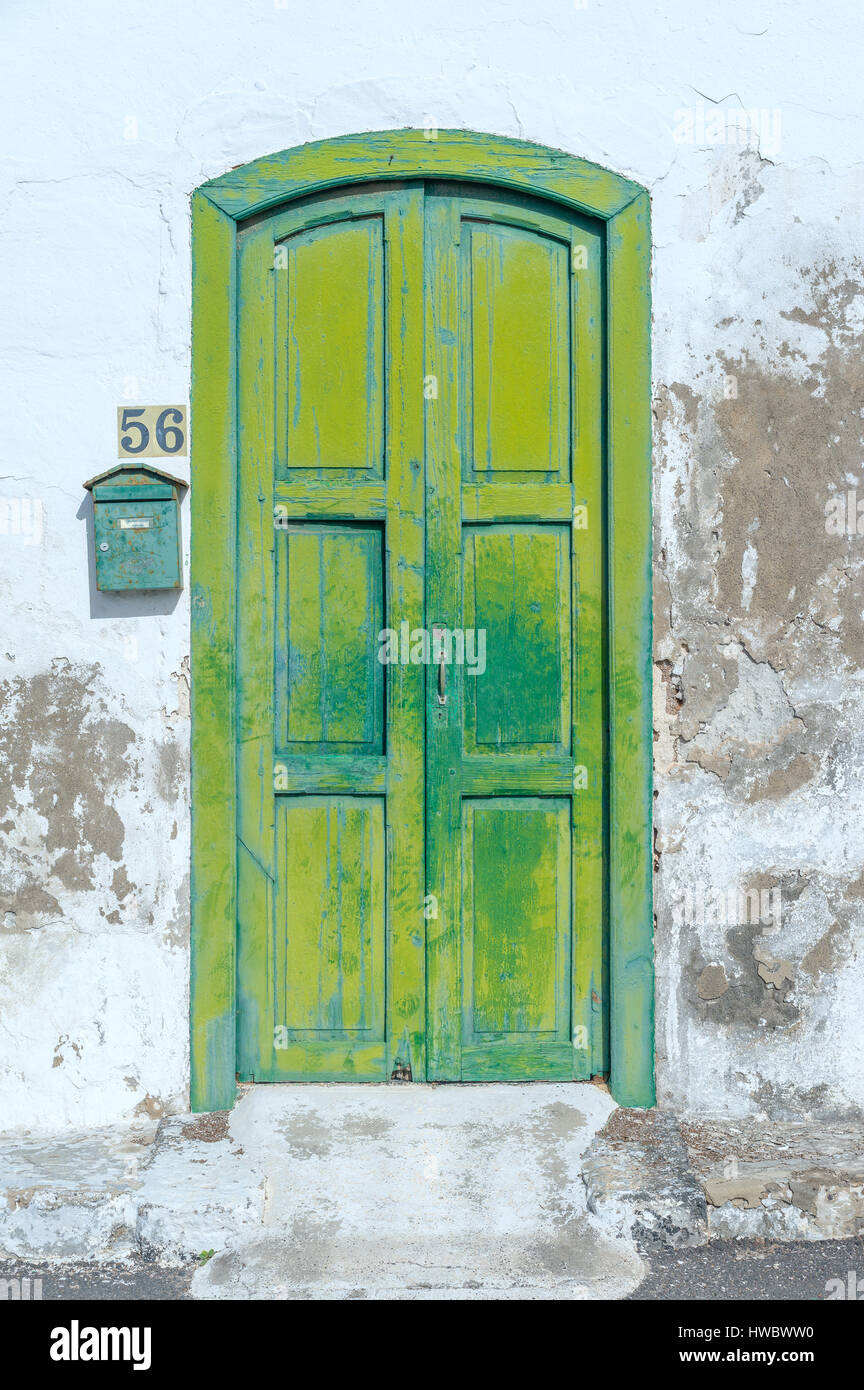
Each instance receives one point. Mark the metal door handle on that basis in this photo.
(441, 697)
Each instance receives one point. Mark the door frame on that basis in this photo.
(217, 207)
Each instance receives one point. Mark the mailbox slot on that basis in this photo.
(153, 491)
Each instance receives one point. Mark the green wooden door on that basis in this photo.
(420, 878)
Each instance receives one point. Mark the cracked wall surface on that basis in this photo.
(752, 158)
(758, 611)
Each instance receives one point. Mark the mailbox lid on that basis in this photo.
(137, 543)
(129, 480)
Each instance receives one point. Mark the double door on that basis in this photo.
(419, 692)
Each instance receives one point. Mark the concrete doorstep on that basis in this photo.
(421, 1192)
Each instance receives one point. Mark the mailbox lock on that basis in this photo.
(104, 545)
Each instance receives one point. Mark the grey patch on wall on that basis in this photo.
(793, 442)
(750, 1001)
(172, 771)
(786, 1101)
(765, 464)
(176, 932)
(62, 755)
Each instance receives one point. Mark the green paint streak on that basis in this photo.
(212, 558)
(629, 625)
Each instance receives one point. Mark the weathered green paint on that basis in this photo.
(630, 721)
(516, 323)
(331, 937)
(329, 611)
(443, 604)
(515, 483)
(332, 395)
(330, 979)
(516, 588)
(515, 549)
(408, 154)
(516, 939)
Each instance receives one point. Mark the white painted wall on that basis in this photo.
(113, 115)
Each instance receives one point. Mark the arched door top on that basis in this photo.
(409, 154)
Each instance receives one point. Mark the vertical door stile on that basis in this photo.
(590, 965)
(443, 607)
(256, 869)
(405, 558)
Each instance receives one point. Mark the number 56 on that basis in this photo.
(151, 431)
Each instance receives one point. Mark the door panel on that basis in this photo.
(331, 918)
(516, 920)
(330, 321)
(516, 329)
(329, 611)
(517, 590)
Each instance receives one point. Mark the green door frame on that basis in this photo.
(217, 207)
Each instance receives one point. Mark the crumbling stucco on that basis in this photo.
(93, 907)
(759, 644)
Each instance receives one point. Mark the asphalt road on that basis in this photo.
(723, 1271)
(770, 1271)
(115, 1283)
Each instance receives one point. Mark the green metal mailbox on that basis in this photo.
(136, 524)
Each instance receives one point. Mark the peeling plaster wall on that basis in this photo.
(117, 115)
(758, 634)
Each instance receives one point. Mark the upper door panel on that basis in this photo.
(516, 352)
(339, 282)
(330, 326)
(529, 340)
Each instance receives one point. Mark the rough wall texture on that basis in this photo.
(758, 407)
(758, 640)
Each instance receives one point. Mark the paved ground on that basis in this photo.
(338, 1191)
(723, 1271)
(104, 1283)
(421, 1193)
(424, 1192)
